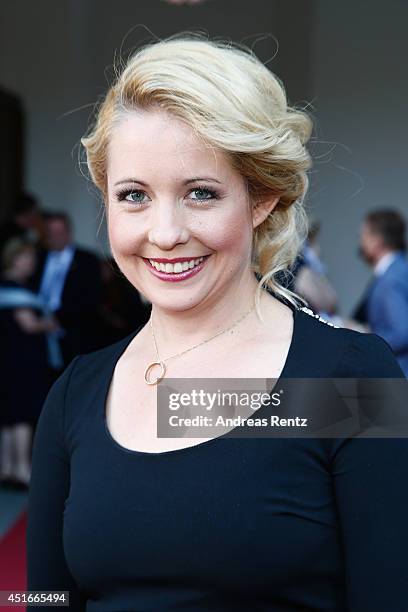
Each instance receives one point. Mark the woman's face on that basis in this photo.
(172, 199)
(24, 263)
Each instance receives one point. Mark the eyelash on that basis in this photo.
(121, 195)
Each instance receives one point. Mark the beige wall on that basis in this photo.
(347, 59)
(360, 85)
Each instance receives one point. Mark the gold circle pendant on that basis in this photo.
(158, 378)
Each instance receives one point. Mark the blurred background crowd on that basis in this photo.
(57, 300)
(61, 293)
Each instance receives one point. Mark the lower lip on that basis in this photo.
(176, 277)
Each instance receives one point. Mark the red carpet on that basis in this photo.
(13, 559)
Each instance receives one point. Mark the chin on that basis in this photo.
(176, 304)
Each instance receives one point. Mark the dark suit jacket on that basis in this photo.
(80, 300)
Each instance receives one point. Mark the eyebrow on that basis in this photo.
(187, 182)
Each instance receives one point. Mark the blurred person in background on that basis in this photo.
(122, 308)
(23, 361)
(311, 281)
(384, 305)
(27, 222)
(68, 279)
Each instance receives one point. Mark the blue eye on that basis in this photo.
(204, 194)
(133, 196)
(139, 195)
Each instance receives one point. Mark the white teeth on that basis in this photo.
(157, 265)
(177, 267)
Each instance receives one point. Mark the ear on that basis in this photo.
(261, 209)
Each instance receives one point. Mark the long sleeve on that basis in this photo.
(394, 328)
(370, 483)
(49, 488)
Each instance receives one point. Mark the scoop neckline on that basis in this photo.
(206, 442)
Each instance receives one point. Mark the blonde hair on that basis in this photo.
(234, 103)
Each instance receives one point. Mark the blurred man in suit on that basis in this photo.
(384, 306)
(68, 279)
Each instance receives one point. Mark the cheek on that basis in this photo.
(222, 231)
(124, 234)
(232, 232)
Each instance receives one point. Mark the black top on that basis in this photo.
(277, 525)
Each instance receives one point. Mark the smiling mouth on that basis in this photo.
(177, 267)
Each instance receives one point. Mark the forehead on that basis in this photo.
(367, 228)
(157, 144)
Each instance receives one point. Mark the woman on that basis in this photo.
(311, 281)
(202, 167)
(23, 360)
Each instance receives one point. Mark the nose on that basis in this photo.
(168, 227)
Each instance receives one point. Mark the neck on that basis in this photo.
(15, 276)
(179, 330)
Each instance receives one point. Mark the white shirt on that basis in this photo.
(55, 272)
(384, 263)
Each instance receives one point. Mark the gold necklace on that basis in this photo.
(160, 362)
